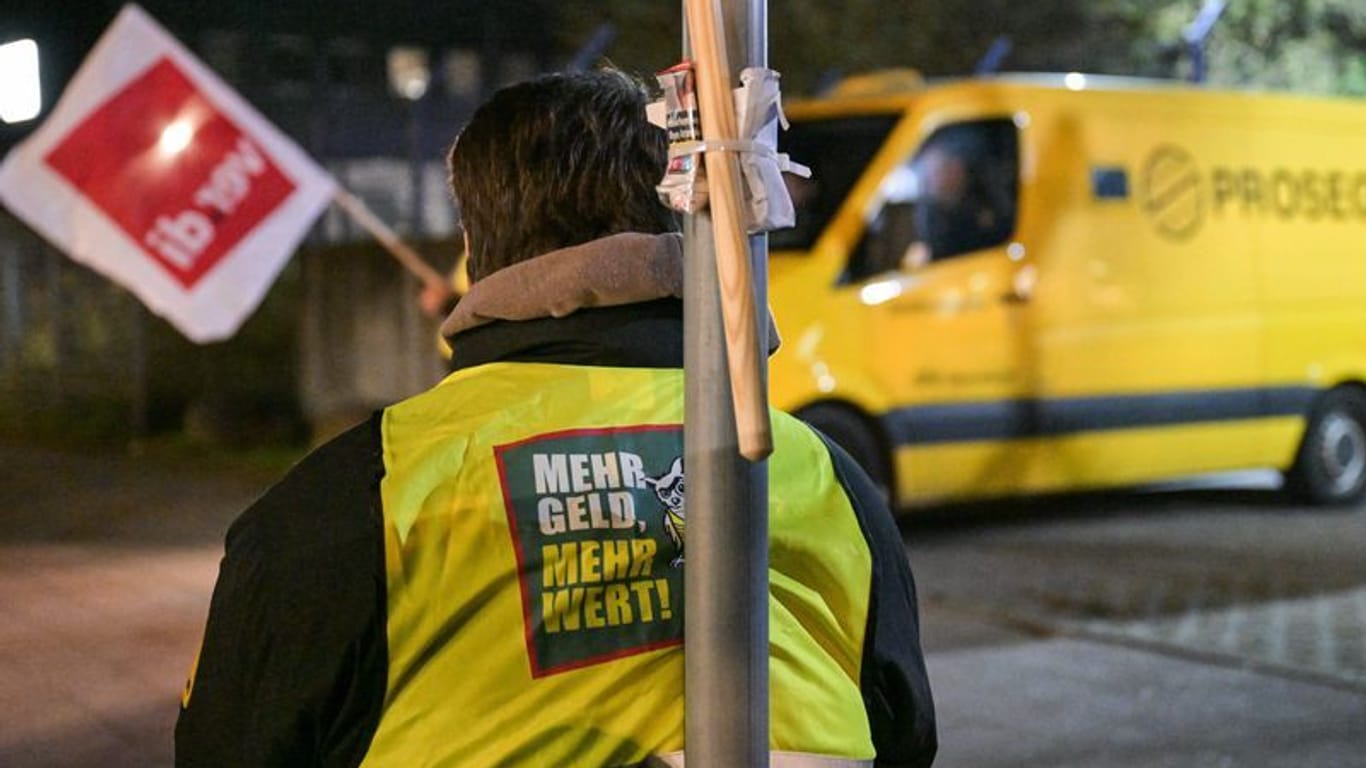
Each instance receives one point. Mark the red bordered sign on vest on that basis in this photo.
(599, 526)
(153, 172)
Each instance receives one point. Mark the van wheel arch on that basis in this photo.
(1330, 464)
(859, 434)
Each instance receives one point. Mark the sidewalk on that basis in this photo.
(93, 650)
(1069, 703)
(106, 566)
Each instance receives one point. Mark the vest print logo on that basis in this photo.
(669, 489)
(597, 520)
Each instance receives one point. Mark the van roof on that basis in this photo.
(892, 90)
(909, 82)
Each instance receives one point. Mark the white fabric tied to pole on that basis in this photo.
(763, 166)
(758, 111)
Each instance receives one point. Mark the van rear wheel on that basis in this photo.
(852, 432)
(1330, 468)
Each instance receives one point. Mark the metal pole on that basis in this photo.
(1197, 50)
(726, 579)
(1196, 35)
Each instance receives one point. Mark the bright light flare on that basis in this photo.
(880, 292)
(21, 90)
(1075, 81)
(175, 137)
(410, 72)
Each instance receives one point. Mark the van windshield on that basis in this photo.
(837, 151)
(956, 195)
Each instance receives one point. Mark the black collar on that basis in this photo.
(644, 335)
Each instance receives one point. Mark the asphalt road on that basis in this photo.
(1187, 628)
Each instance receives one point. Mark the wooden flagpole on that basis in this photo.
(716, 108)
(410, 259)
(726, 681)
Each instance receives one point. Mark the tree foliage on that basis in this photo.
(1302, 45)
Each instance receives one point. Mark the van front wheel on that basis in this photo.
(852, 432)
(1330, 468)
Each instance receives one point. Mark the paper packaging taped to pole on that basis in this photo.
(683, 188)
(758, 110)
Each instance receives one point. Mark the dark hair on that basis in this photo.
(554, 162)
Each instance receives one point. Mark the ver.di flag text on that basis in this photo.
(155, 173)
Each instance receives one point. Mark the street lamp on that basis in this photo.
(21, 92)
(410, 72)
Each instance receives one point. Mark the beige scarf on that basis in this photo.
(625, 268)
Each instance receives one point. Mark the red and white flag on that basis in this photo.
(154, 172)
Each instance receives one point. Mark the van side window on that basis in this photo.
(957, 194)
(837, 151)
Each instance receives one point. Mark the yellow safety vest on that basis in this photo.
(535, 593)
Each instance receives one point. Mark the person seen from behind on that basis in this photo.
(491, 572)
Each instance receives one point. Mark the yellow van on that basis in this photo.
(1038, 283)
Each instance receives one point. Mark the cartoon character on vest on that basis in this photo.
(669, 488)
